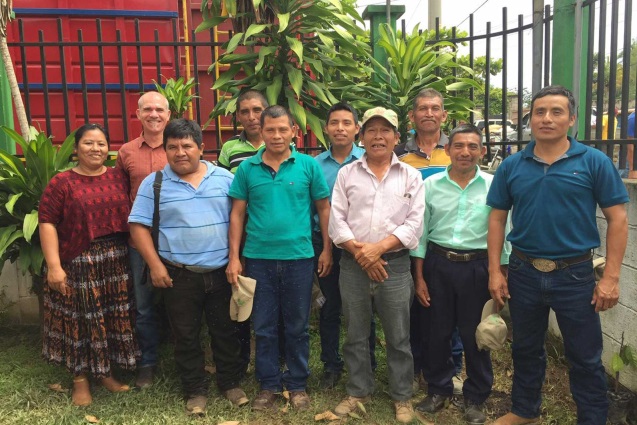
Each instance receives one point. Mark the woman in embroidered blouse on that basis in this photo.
(83, 228)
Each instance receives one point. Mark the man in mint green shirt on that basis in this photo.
(451, 274)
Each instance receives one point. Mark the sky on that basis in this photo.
(456, 13)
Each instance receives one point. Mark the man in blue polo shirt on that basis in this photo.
(189, 264)
(553, 188)
(277, 187)
(341, 127)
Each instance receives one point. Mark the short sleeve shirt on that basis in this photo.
(279, 205)
(138, 159)
(554, 207)
(84, 208)
(428, 165)
(193, 222)
(235, 151)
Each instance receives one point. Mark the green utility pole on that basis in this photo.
(377, 15)
(6, 110)
(565, 28)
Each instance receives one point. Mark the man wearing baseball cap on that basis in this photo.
(376, 237)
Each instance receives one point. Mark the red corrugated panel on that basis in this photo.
(47, 16)
(160, 5)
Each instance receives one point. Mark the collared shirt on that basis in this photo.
(554, 206)
(457, 218)
(279, 205)
(193, 223)
(410, 153)
(331, 167)
(236, 150)
(138, 159)
(369, 210)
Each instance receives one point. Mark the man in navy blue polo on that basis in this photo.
(553, 188)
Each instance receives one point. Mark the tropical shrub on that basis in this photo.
(294, 51)
(179, 93)
(21, 187)
(412, 66)
(626, 356)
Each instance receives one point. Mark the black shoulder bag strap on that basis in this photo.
(156, 191)
(154, 231)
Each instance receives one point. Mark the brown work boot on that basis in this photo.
(264, 400)
(513, 419)
(299, 400)
(236, 396)
(404, 411)
(349, 404)
(196, 405)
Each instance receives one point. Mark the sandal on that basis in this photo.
(114, 386)
(81, 394)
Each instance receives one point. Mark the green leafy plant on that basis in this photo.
(412, 66)
(626, 356)
(179, 94)
(294, 51)
(21, 187)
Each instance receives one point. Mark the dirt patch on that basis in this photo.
(558, 407)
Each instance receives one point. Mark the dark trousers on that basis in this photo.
(417, 316)
(568, 292)
(245, 337)
(192, 296)
(458, 292)
(330, 314)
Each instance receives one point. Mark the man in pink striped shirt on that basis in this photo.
(377, 216)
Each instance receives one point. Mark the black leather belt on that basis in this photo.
(546, 265)
(454, 256)
(194, 269)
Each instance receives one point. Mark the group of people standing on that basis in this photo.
(413, 232)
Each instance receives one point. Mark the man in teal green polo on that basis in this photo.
(276, 187)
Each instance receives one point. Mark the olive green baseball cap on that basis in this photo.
(389, 115)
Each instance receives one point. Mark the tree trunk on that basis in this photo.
(15, 90)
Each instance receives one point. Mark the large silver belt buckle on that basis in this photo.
(544, 265)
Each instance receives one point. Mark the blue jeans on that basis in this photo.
(282, 286)
(146, 317)
(568, 292)
(456, 350)
(392, 300)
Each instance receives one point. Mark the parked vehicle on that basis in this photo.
(495, 124)
(512, 134)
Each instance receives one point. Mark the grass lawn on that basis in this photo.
(25, 396)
